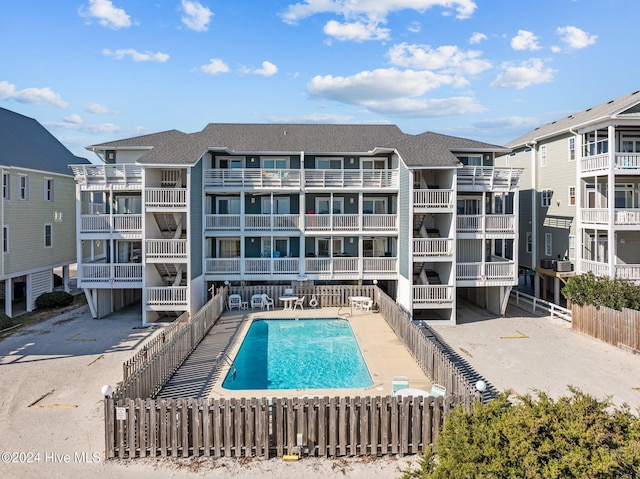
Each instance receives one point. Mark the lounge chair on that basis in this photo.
(399, 382)
(437, 391)
(266, 301)
(256, 301)
(299, 302)
(234, 301)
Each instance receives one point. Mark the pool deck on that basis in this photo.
(383, 352)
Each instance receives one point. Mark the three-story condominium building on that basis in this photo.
(580, 203)
(164, 217)
(37, 211)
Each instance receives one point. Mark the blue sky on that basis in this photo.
(98, 70)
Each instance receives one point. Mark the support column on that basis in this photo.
(65, 279)
(8, 296)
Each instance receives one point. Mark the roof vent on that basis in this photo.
(635, 92)
(571, 117)
(610, 102)
(588, 109)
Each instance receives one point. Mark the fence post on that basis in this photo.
(109, 428)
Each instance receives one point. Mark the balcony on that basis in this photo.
(425, 201)
(431, 247)
(165, 198)
(252, 178)
(432, 296)
(495, 273)
(126, 176)
(629, 272)
(625, 217)
(624, 164)
(166, 250)
(106, 223)
(488, 178)
(351, 179)
(110, 275)
(355, 267)
(271, 222)
(350, 222)
(492, 225)
(169, 298)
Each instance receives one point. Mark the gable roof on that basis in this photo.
(25, 143)
(426, 149)
(626, 106)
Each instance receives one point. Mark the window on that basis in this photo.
(377, 164)
(228, 206)
(374, 247)
(548, 238)
(229, 248)
(543, 155)
(278, 249)
(6, 185)
(228, 163)
(572, 196)
(374, 206)
(48, 189)
(572, 247)
(572, 149)
(475, 160)
(624, 196)
(23, 184)
(5, 239)
(322, 206)
(529, 242)
(275, 163)
(329, 163)
(281, 206)
(323, 246)
(545, 198)
(48, 240)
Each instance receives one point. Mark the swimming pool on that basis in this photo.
(298, 354)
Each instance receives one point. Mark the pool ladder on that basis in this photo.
(223, 357)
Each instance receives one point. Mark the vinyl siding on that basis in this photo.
(195, 220)
(404, 217)
(26, 220)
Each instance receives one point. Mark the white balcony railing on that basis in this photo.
(493, 271)
(275, 266)
(433, 199)
(103, 223)
(628, 271)
(623, 216)
(166, 197)
(351, 178)
(595, 267)
(222, 265)
(222, 222)
(111, 272)
(167, 296)
(372, 222)
(317, 222)
(166, 248)
(501, 223)
(490, 223)
(595, 216)
(252, 178)
(379, 265)
(488, 178)
(432, 247)
(627, 216)
(432, 294)
(622, 271)
(623, 163)
(119, 176)
(469, 223)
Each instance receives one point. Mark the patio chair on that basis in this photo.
(438, 391)
(234, 301)
(256, 301)
(299, 302)
(399, 382)
(266, 301)
(366, 305)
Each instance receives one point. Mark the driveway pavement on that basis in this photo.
(523, 352)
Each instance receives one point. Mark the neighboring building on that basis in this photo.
(164, 217)
(37, 213)
(579, 204)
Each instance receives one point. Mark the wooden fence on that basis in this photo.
(261, 427)
(619, 328)
(138, 427)
(151, 368)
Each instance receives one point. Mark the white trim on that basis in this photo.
(49, 193)
(571, 201)
(548, 244)
(50, 245)
(5, 237)
(23, 190)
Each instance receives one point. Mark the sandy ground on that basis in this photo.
(51, 410)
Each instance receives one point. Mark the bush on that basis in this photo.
(576, 436)
(601, 291)
(54, 299)
(6, 321)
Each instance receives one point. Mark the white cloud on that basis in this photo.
(372, 9)
(268, 69)
(33, 96)
(447, 58)
(196, 16)
(414, 27)
(98, 109)
(574, 38)
(525, 40)
(106, 14)
(357, 31)
(531, 72)
(74, 119)
(215, 66)
(477, 38)
(135, 55)
(427, 108)
(321, 118)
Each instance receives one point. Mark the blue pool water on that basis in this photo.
(298, 354)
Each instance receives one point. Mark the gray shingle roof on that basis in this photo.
(426, 149)
(25, 143)
(622, 107)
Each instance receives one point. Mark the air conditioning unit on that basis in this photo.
(563, 266)
(546, 263)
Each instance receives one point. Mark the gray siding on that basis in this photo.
(196, 217)
(404, 226)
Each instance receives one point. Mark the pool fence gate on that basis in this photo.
(137, 424)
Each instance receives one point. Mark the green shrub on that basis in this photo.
(6, 321)
(601, 291)
(573, 437)
(54, 299)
